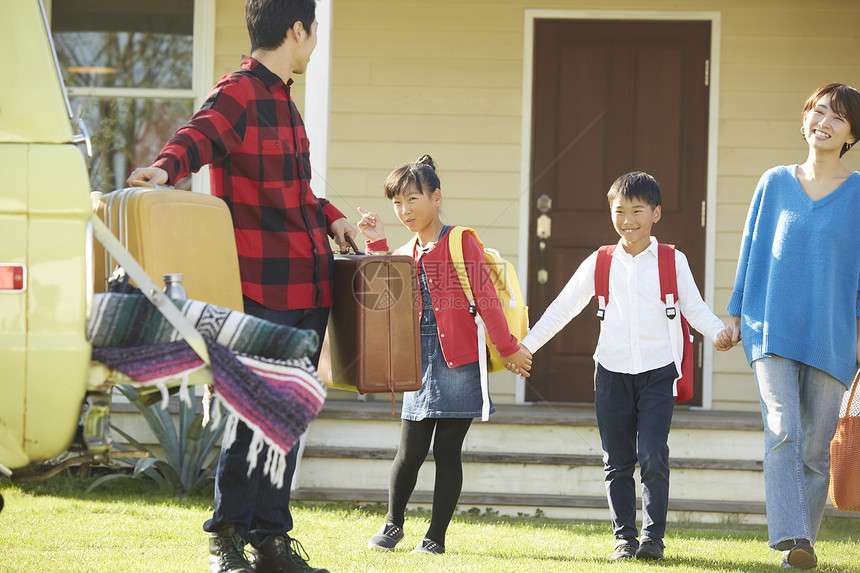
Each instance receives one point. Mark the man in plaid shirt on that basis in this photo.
(252, 136)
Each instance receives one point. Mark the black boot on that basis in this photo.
(227, 552)
(282, 554)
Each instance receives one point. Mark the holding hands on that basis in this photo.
(730, 335)
(519, 362)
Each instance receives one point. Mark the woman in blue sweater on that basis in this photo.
(795, 304)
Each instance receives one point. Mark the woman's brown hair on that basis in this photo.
(845, 101)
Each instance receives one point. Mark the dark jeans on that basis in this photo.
(251, 503)
(634, 413)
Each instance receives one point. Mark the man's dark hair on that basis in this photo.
(636, 185)
(269, 20)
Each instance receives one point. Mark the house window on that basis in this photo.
(128, 67)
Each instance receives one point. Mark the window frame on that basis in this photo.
(202, 67)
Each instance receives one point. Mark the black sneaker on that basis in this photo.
(430, 547)
(650, 548)
(801, 556)
(625, 548)
(386, 538)
(283, 554)
(227, 552)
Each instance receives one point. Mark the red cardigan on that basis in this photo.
(458, 333)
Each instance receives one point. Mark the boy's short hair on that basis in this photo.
(845, 101)
(269, 20)
(636, 185)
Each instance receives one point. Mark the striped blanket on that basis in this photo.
(277, 398)
(121, 320)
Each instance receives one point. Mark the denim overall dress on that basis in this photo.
(445, 392)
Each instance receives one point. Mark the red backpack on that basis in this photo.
(668, 294)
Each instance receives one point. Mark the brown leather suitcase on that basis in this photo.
(373, 341)
(170, 231)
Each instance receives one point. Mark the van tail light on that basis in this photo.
(13, 278)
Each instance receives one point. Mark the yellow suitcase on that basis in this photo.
(169, 231)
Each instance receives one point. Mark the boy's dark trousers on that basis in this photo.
(634, 413)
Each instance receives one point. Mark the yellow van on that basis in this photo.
(50, 385)
(44, 235)
(55, 252)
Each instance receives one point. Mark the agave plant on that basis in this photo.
(187, 446)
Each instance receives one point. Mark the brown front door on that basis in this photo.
(610, 97)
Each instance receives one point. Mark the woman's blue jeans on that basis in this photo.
(800, 411)
(634, 414)
(255, 507)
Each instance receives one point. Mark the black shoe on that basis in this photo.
(429, 546)
(386, 538)
(801, 556)
(227, 552)
(283, 554)
(650, 549)
(625, 548)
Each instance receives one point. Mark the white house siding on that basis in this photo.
(445, 77)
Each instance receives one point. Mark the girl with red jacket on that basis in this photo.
(450, 395)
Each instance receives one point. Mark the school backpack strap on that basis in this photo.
(668, 278)
(455, 246)
(601, 278)
(669, 296)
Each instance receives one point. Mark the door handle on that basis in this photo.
(543, 231)
(543, 274)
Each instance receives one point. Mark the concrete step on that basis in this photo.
(540, 456)
(584, 507)
(592, 507)
(544, 429)
(519, 473)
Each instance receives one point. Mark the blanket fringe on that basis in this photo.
(254, 450)
(229, 432)
(206, 402)
(184, 394)
(208, 415)
(165, 395)
(275, 465)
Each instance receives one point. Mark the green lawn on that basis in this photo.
(133, 527)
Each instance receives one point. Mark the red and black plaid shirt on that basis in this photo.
(251, 133)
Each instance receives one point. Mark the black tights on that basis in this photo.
(414, 444)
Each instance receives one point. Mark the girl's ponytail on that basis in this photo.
(426, 160)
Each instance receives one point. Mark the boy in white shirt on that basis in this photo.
(636, 368)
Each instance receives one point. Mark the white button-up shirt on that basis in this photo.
(634, 334)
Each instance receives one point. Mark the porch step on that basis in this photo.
(524, 473)
(538, 456)
(526, 458)
(532, 501)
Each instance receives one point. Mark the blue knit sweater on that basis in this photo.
(797, 288)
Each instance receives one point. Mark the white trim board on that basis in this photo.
(203, 72)
(317, 98)
(713, 138)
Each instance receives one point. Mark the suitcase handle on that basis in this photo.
(142, 183)
(352, 245)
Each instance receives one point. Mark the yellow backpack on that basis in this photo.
(504, 279)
